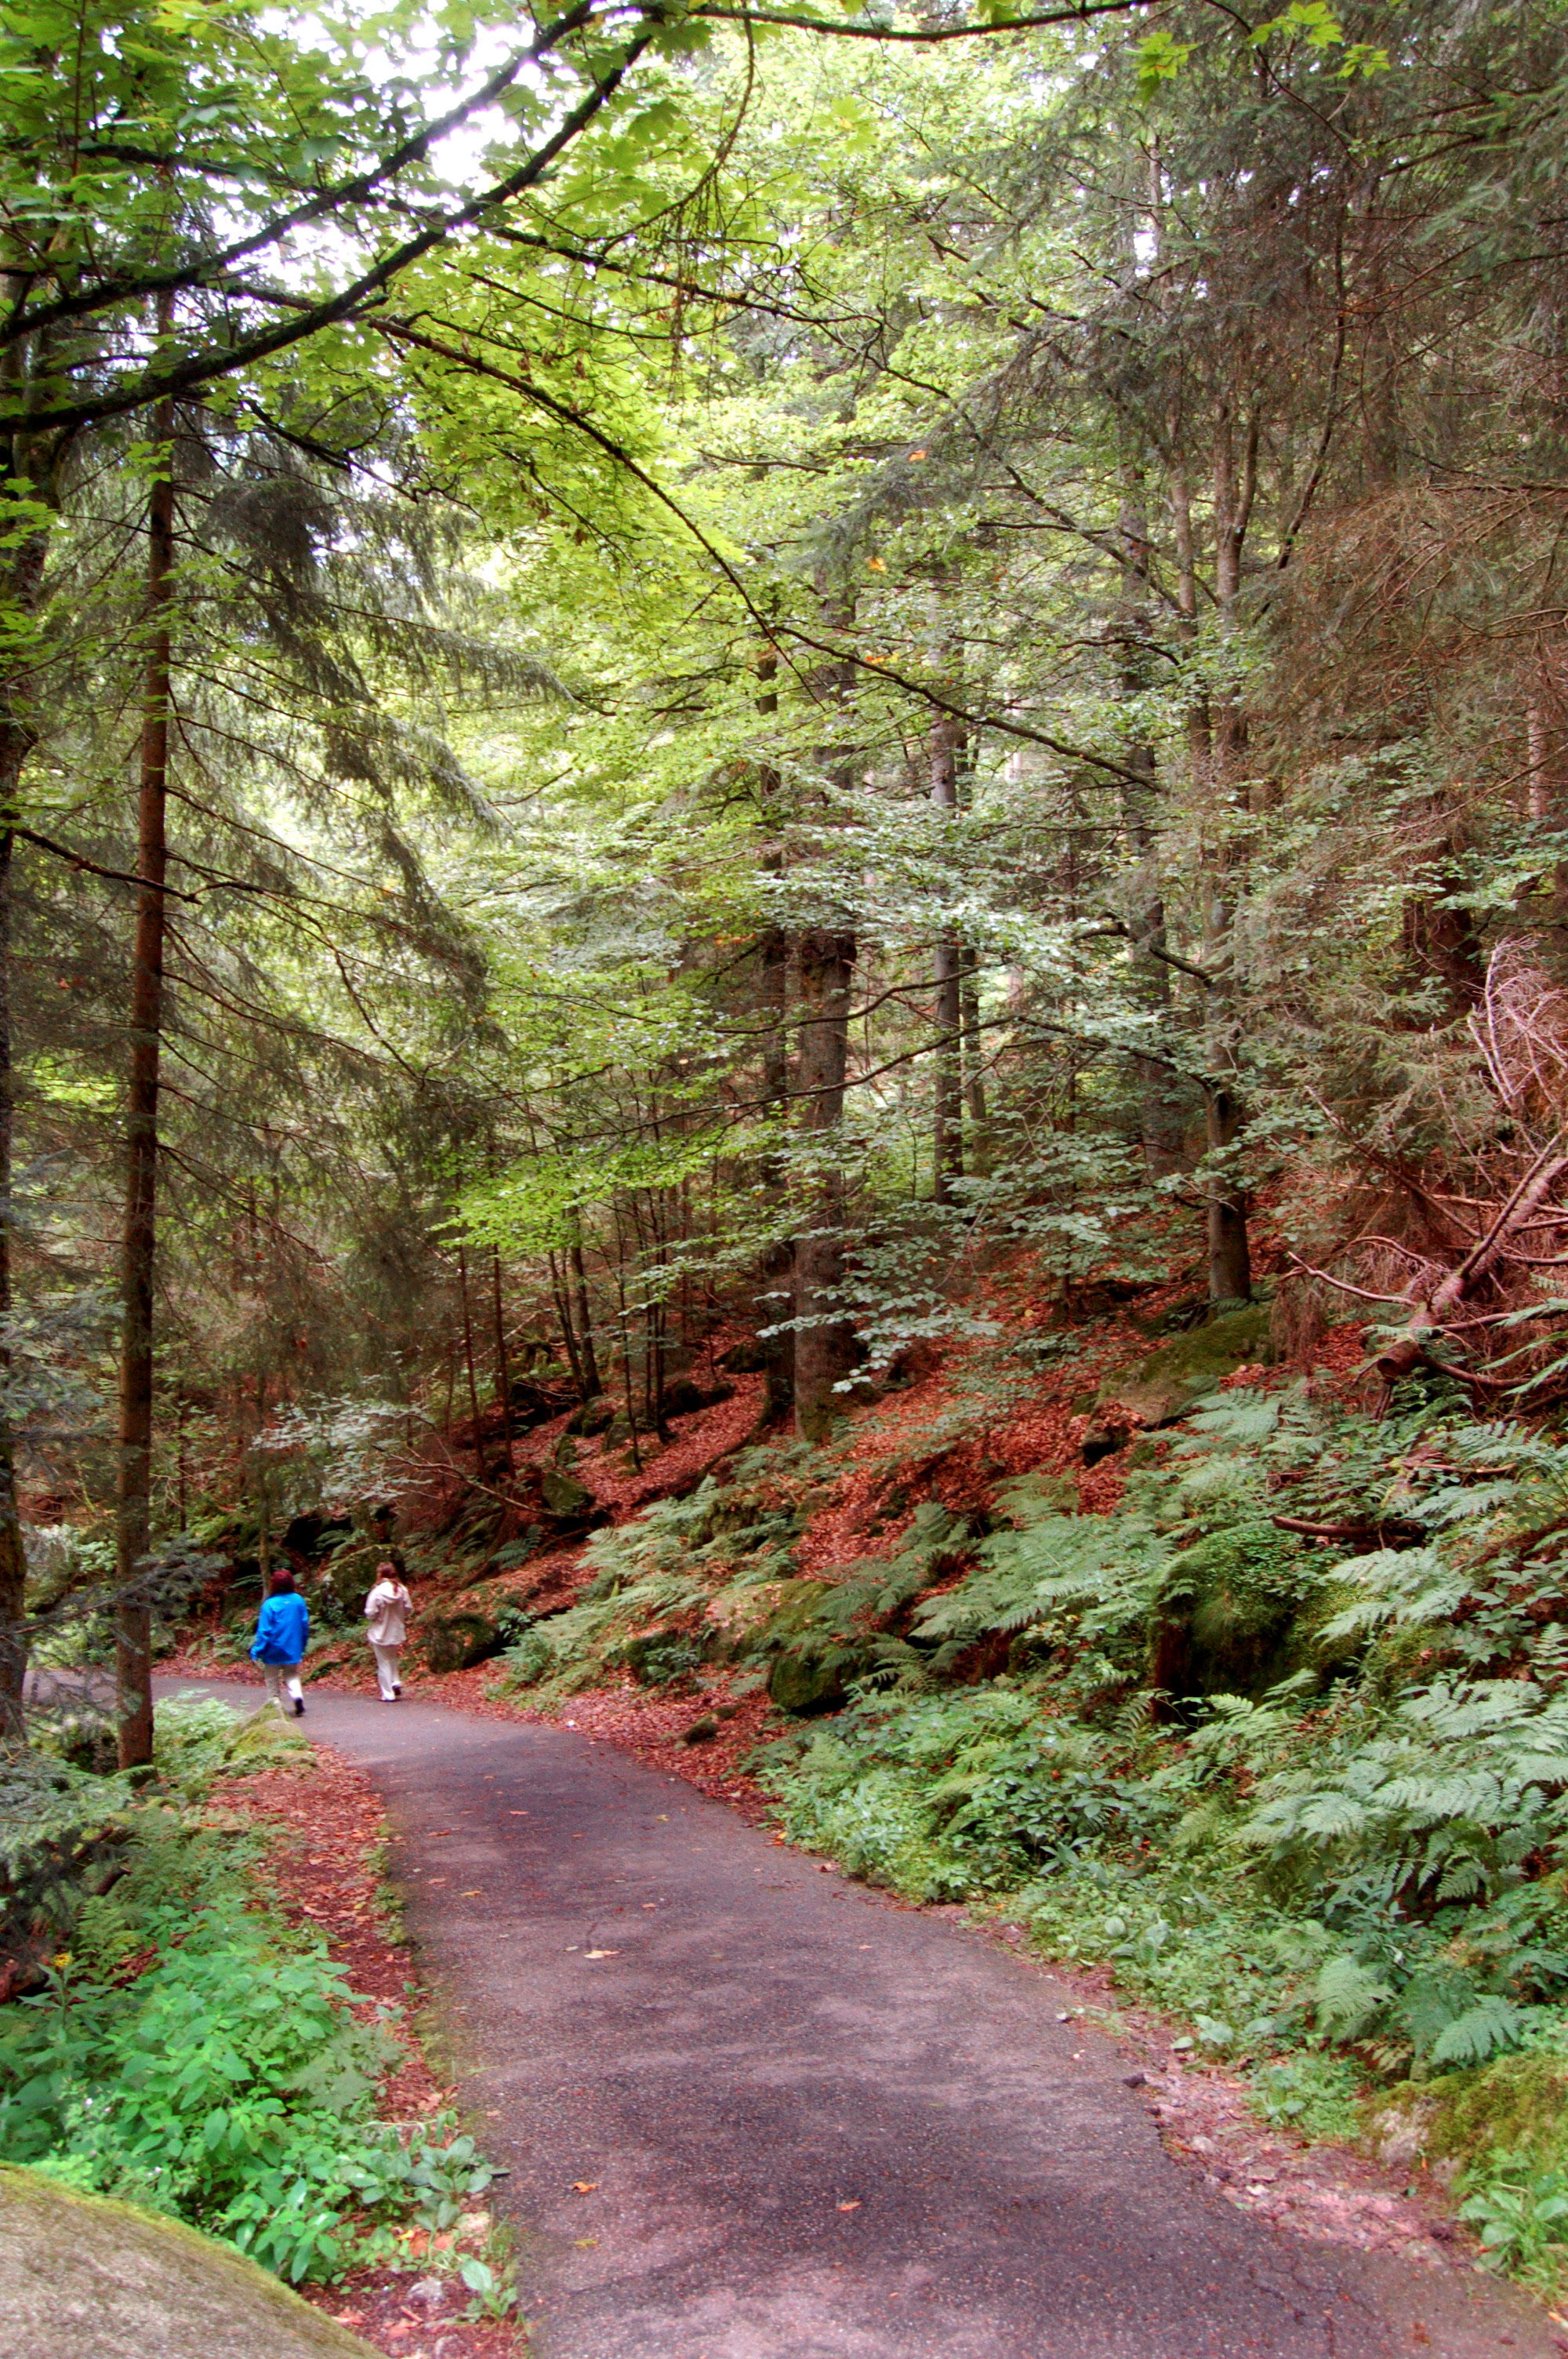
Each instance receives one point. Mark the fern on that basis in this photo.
(1348, 1996)
(1483, 2030)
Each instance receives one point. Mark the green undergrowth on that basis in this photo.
(1310, 1798)
(189, 2051)
(692, 1582)
(1281, 1745)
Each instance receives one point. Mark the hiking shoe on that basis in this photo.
(395, 1693)
(298, 1708)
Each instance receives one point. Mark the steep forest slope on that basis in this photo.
(1229, 1679)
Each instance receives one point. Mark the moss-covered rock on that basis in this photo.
(1226, 1618)
(264, 1736)
(452, 1641)
(85, 2278)
(1515, 2105)
(593, 1416)
(657, 1657)
(568, 1500)
(1163, 1386)
(809, 1681)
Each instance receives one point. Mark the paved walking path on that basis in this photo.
(806, 2123)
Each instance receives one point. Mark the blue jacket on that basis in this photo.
(281, 1628)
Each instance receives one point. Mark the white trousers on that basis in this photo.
(386, 1665)
(278, 1677)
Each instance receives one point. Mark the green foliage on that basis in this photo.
(62, 1832)
(1317, 2095)
(689, 1579)
(194, 2055)
(1355, 1875)
(1520, 2217)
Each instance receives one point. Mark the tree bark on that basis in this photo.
(776, 1294)
(502, 1371)
(947, 972)
(24, 567)
(133, 1639)
(13, 1553)
(568, 1331)
(821, 1343)
(1229, 1256)
(468, 1361)
(974, 1059)
(1547, 777)
(586, 1353)
(1160, 1112)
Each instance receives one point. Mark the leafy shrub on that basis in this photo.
(62, 1835)
(527, 1660)
(1317, 2095)
(228, 2080)
(1520, 2216)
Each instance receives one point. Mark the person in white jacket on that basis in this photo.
(386, 1611)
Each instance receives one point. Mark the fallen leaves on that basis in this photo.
(585, 2186)
(320, 1861)
(854, 2206)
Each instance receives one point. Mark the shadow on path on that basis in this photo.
(812, 2125)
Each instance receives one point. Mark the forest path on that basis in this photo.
(808, 2122)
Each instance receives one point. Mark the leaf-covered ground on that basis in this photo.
(324, 1827)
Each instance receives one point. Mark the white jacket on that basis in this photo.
(385, 1607)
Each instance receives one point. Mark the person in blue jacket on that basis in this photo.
(282, 1627)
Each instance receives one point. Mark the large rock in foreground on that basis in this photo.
(84, 2279)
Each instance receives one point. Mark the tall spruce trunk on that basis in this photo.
(24, 577)
(974, 1060)
(593, 1383)
(1229, 1254)
(13, 1553)
(133, 1637)
(1160, 1110)
(777, 1270)
(776, 1291)
(468, 1361)
(502, 1368)
(826, 969)
(948, 975)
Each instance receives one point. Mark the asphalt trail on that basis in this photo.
(809, 2124)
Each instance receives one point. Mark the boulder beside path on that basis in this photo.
(82, 2277)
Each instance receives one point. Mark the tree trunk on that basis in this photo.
(24, 575)
(776, 1294)
(586, 1352)
(947, 972)
(974, 1059)
(133, 1637)
(821, 1343)
(502, 1372)
(12, 1554)
(468, 1361)
(1547, 777)
(1235, 488)
(568, 1331)
(1229, 1256)
(1160, 1112)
